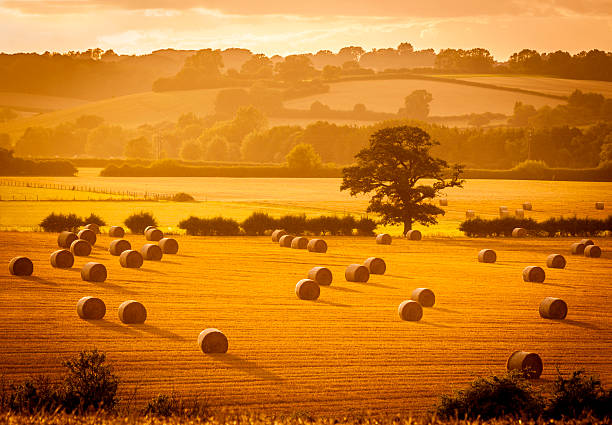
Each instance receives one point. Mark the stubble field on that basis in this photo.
(347, 352)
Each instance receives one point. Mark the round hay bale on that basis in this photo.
(504, 214)
(277, 234)
(592, 251)
(520, 213)
(599, 205)
(487, 256)
(154, 235)
(65, 239)
(116, 232)
(21, 266)
(62, 259)
(131, 259)
(577, 248)
(168, 245)
(151, 252)
(587, 242)
(444, 202)
(93, 272)
(527, 206)
(503, 208)
(383, 239)
(469, 214)
(529, 363)
(285, 241)
(118, 246)
(91, 308)
(212, 340)
(80, 248)
(299, 243)
(132, 312)
(356, 273)
(534, 274)
(321, 275)
(555, 261)
(317, 245)
(147, 228)
(414, 235)
(553, 308)
(424, 296)
(307, 289)
(93, 227)
(519, 232)
(87, 235)
(410, 310)
(375, 265)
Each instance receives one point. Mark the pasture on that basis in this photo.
(346, 353)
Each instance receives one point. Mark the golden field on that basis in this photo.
(348, 352)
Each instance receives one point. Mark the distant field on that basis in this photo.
(344, 354)
(448, 98)
(27, 102)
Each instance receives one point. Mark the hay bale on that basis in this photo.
(118, 246)
(383, 239)
(91, 308)
(317, 245)
(131, 259)
(592, 251)
(555, 261)
(154, 235)
(414, 235)
(528, 363)
(21, 266)
(116, 232)
(519, 232)
(93, 272)
(375, 265)
(424, 296)
(553, 308)
(62, 259)
(87, 235)
(527, 206)
(587, 242)
(577, 248)
(212, 340)
(444, 202)
(80, 248)
(151, 252)
(356, 273)
(299, 243)
(504, 214)
(410, 310)
(469, 214)
(520, 213)
(132, 312)
(307, 289)
(93, 227)
(321, 275)
(277, 234)
(147, 228)
(65, 239)
(487, 256)
(534, 274)
(599, 205)
(503, 208)
(168, 245)
(285, 241)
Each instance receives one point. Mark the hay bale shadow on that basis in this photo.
(446, 310)
(319, 301)
(583, 325)
(36, 279)
(342, 288)
(150, 270)
(236, 362)
(436, 325)
(103, 323)
(154, 330)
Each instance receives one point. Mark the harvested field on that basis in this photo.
(345, 353)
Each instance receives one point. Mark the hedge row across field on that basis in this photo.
(560, 226)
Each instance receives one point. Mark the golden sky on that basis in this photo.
(283, 27)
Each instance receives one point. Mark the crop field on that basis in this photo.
(347, 352)
(26, 101)
(448, 98)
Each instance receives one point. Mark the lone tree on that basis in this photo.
(391, 167)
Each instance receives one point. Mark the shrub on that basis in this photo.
(331, 224)
(94, 219)
(32, 395)
(183, 197)
(294, 224)
(257, 223)
(60, 222)
(315, 225)
(224, 226)
(217, 226)
(579, 395)
(137, 222)
(493, 397)
(572, 226)
(347, 224)
(365, 226)
(162, 405)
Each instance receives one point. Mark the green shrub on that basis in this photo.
(579, 395)
(183, 197)
(258, 223)
(60, 222)
(94, 219)
(493, 397)
(137, 222)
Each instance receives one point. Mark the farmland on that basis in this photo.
(346, 352)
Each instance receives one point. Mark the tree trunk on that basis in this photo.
(407, 226)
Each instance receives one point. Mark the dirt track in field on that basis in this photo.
(346, 352)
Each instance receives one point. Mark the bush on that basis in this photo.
(572, 226)
(366, 227)
(579, 395)
(33, 395)
(294, 224)
(94, 219)
(162, 405)
(137, 222)
(183, 197)
(217, 226)
(493, 397)
(347, 224)
(60, 222)
(258, 223)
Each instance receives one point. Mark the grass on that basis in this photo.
(35, 102)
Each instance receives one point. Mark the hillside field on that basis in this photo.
(346, 353)
(35, 102)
